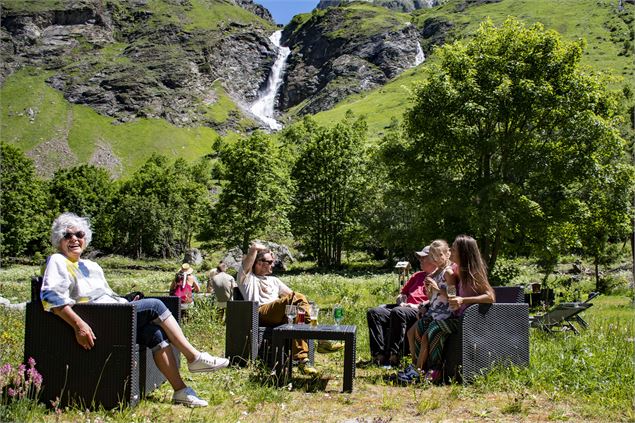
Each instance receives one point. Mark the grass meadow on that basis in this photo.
(586, 377)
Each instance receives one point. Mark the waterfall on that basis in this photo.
(420, 57)
(263, 107)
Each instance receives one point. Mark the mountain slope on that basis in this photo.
(111, 81)
(344, 50)
(607, 31)
(159, 73)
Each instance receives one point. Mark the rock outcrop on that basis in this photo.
(331, 59)
(257, 9)
(396, 5)
(131, 60)
(127, 60)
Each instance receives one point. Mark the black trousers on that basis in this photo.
(387, 326)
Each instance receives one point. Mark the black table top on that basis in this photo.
(312, 330)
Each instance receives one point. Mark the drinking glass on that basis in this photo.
(291, 311)
(313, 314)
(451, 291)
(338, 313)
(301, 314)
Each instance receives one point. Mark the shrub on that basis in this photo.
(504, 272)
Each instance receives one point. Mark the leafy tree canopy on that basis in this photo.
(24, 215)
(86, 191)
(503, 136)
(331, 178)
(160, 209)
(255, 197)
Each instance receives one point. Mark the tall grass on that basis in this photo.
(586, 377)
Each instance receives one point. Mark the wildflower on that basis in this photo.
(5, 369)
(11, 392)
(31, 362)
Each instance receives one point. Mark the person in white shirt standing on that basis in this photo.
(272, 295)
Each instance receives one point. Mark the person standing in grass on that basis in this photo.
(222, 283)
(272, 295)
(388, 323)
(69, 279)
(185, 285)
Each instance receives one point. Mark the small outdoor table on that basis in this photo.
(282, 336)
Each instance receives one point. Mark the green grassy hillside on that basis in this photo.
(606, 31)
(38, 119)
(34, 114)
(52, 118)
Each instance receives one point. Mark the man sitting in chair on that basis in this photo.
(272, 295)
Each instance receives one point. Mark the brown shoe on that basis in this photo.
(394, 360)
(306, 369)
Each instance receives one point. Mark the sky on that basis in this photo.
(284, 10)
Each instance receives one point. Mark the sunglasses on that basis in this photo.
(78, 235)
(267, 261)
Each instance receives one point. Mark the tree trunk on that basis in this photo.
(491, 262)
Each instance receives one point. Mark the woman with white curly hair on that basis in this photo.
(69, 279)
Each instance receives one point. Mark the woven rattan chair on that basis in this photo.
(115, 372)
(245, 339)
(490, 334)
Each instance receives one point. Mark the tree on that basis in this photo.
(24, 215)
(86, 191)
(330, 174)
(504, 133)
(603, 215)
(161, 208)
(255, 195)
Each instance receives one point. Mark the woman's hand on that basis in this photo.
(455, 302)
(85, 336)
(83, 332)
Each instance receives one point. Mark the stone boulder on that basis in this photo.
(283, 256)
(193, 256)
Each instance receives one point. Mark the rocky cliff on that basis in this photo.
(344, 50)
(396, 5)
(129, 59)
(162, 59)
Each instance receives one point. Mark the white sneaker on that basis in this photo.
(187, 396)
(207, 363)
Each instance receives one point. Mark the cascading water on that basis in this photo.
(263, 107)
(420, 57)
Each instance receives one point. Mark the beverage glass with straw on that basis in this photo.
(338, 313)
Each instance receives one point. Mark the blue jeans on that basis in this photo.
(150, 313)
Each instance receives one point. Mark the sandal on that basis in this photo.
(409, 375)
(432, 376)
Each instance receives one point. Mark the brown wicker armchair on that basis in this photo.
(115, 372)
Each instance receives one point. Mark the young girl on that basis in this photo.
(438, 310)
(473, 288)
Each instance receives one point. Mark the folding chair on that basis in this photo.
(563, 316)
